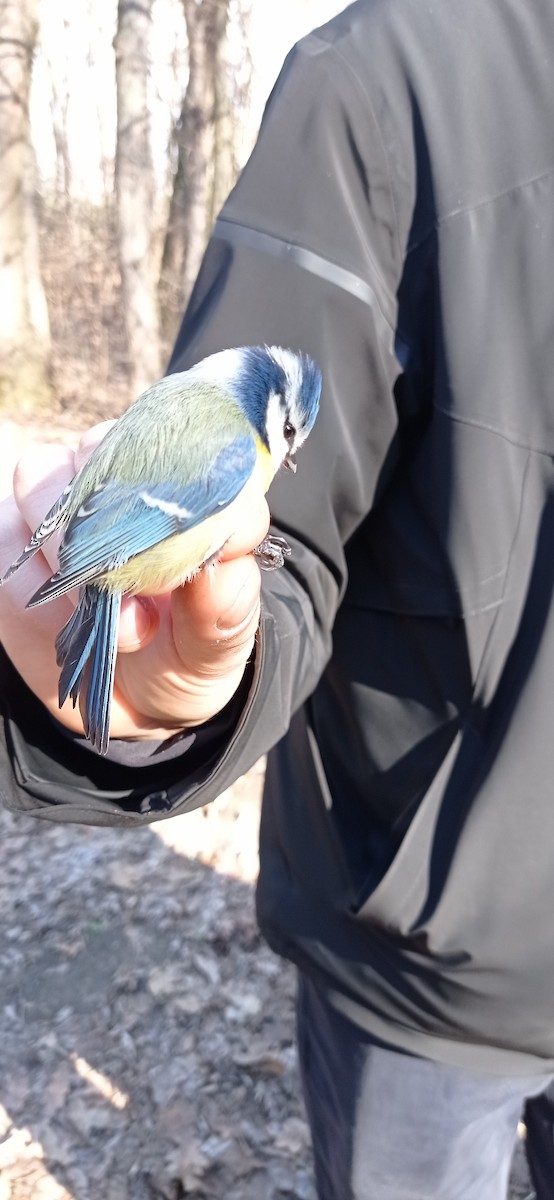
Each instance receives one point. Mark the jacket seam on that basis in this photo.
(464, 209)
(334, 49)
(506, 436)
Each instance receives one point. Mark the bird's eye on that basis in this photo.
(289, 432)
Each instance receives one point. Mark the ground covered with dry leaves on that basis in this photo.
(146, 1031)
(147, 1034)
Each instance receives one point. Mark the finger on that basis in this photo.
(40, 477)
(252, 524)
(28, 635)
(194, 664)
(14, 533)
(215, 617)
(139, 622)
(89, 441)
(22, 629)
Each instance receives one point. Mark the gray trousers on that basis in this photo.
(389, 1126)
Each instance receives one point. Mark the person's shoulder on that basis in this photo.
(354, 25)
(367, 37)
(366, 27)
(348, 38)
(351, 26)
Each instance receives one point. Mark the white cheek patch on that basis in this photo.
(275, 419)
(291, 364)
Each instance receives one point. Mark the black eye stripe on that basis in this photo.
(289, 431)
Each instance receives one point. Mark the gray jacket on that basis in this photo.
(396, 221)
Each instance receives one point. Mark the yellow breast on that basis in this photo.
(179, 557)
(265, 464)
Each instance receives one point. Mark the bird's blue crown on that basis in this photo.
(264, 370)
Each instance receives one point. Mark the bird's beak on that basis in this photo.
(289, 463)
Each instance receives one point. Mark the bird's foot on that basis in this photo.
(272, 552)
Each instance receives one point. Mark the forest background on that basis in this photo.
(122, 129)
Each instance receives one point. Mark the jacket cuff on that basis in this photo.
(47, 771)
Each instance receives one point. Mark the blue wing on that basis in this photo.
(118, 521)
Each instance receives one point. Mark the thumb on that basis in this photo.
(195, 662)
(215, 618)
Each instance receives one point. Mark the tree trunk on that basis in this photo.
(224, 169)
(206, 160)
(135, 191)
(24, 329)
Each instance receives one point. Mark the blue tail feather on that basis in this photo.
(101, 670)
(73, 646)
(86, 651)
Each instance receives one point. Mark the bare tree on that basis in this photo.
(59, 109)
(135, 191)
(231, 83)
(205, 145)
(24, 327)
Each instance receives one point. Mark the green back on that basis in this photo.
(172, 431)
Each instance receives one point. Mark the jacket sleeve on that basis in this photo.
(304, 255)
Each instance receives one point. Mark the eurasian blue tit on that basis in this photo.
(155, 501)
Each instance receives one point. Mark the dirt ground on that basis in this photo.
(146, 1031)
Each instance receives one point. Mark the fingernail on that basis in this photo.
(138, 615)
(234, 617)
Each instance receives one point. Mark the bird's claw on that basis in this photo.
(272, 552)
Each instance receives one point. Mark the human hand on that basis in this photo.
(181, 656)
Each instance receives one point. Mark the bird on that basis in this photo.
(155, 501)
